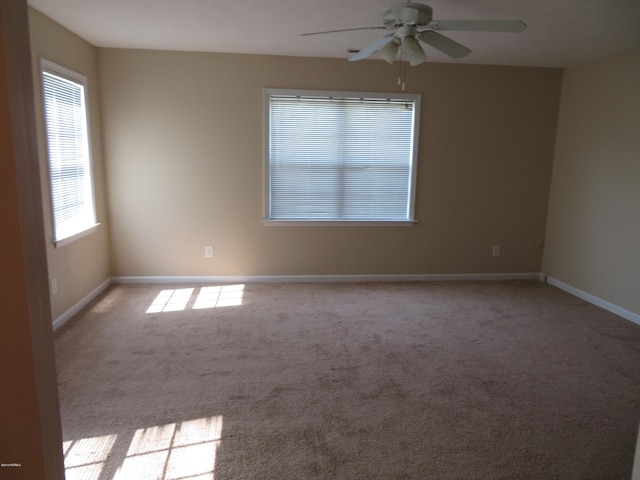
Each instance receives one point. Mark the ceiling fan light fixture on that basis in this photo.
(412, 51)
(412, 23)
(389, 51)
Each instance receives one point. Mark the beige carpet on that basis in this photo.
(483, 380)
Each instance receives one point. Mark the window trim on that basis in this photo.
(338, 223)
(413, 97)
(64, 72)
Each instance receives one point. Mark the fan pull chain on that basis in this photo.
(403, 72)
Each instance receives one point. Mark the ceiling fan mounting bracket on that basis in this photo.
(401, 14)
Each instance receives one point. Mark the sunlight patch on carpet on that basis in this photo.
(175, 451)
(171, 300)
(174, 300)
(85, 458)
(222, 296)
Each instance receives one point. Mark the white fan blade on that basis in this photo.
(372, 48)
(509, 26)
(343, 30)
(444, 44)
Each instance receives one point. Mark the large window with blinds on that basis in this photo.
(67, 138)
(340, 157)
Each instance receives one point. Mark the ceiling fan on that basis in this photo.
(413, 23)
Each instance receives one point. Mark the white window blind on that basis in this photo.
(68, 151)
(341, 157)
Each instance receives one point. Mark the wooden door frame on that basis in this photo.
(30, 432)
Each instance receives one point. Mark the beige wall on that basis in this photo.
(593, 230)
(82, 265)
(183, 136)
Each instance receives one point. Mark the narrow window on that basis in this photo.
(340, 157)
(68, 151)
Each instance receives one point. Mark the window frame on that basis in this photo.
(415, 98)
(60, 71)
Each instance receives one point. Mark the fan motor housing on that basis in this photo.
(416, 14)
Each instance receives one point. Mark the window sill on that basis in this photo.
(334, 223)
(72, 238)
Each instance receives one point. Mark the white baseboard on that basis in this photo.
(230, 279)
(626, 314)
(323, 278)
(66, 316)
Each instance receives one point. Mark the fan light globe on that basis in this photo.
(412, 51)
(389, 51)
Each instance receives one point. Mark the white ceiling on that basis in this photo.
(560, 33)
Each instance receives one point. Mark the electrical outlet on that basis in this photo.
(495, 251)
(208, 251)
(54, 286)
